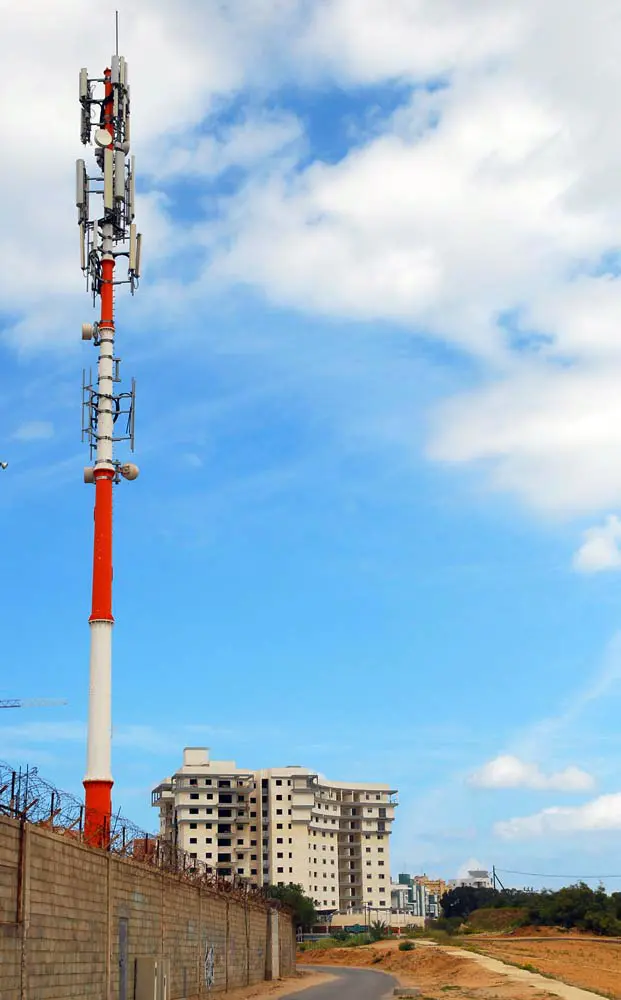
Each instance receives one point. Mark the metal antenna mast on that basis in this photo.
(103, 239)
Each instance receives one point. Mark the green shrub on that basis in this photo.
(406, 946)
(356, 940)
(450, 925)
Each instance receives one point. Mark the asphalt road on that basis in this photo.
(351, 984)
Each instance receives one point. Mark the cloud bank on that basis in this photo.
(507, 771)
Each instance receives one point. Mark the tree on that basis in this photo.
(465, 899)
(304, 913)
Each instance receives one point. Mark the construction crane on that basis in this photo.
(31, 702)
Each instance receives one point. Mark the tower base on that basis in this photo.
(97, 813)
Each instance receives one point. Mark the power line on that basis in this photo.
(510, 871)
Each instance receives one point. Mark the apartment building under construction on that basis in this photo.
(283, 825)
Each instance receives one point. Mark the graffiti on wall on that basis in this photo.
(210, 963)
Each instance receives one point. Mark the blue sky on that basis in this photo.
(375, 530)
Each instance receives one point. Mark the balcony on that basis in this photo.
(163, 793)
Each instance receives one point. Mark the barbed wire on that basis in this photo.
(26, 796)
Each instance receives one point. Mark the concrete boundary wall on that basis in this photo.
(73, 921)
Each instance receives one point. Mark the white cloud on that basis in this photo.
(34, 430)
(599, 815)
(246, 144)
(507, 771)
(601, 548)
(472, 865)
(496, 194)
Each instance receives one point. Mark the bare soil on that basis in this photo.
(590, 964)
(439, 975)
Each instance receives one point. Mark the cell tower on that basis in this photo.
(111, 234)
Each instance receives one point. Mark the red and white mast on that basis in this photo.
(103, 239)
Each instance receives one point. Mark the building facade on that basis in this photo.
(423, 894)
(476, 879)
(282, 825)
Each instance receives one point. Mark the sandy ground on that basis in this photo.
(594, 965)
(282, 987)
(439, 971)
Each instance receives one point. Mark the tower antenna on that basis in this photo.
(116, 20)
(107, 234)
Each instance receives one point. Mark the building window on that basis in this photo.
(279, 840)
(193, 781)
(253, 857)
(279, 826)
(278, 781)
(253, 871)
(208, 840)
(193, 826)
(280, 871)
(207, 781)
(193, 812)
(279, 812)
(192, 854)
(280, 854)
(193, 840)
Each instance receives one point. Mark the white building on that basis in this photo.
(283, 825)
(476, 879)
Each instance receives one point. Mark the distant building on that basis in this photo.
(423, 894)
(476, 879)
(283, 825)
